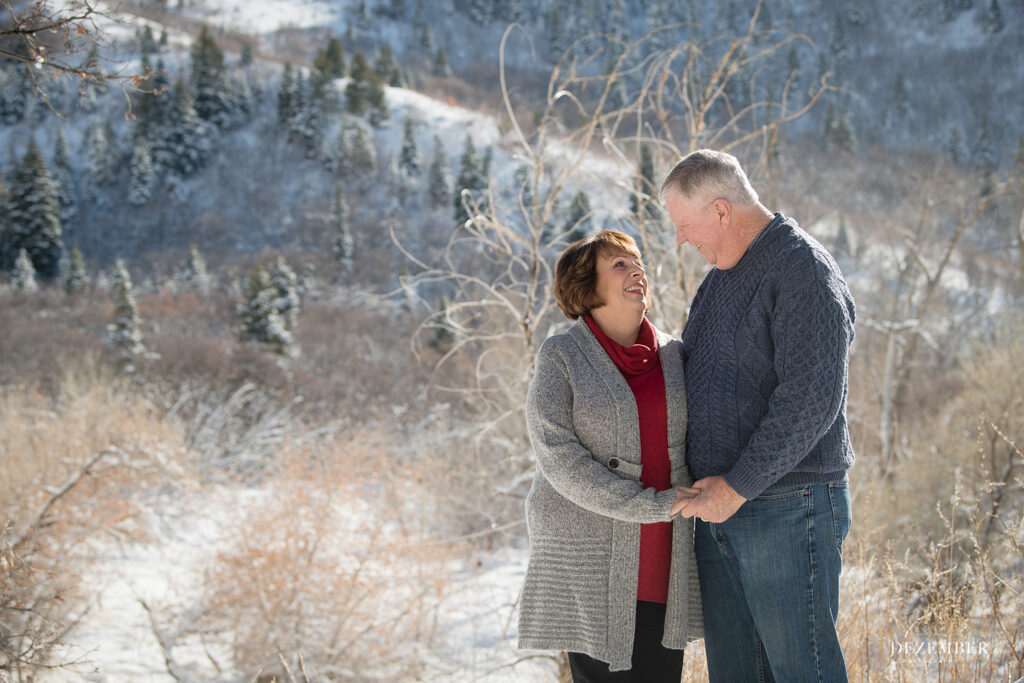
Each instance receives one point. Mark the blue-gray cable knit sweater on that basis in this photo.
(766, 350)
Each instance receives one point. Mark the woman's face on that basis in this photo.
(621, 283)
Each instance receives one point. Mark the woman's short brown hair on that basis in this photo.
(576, 270)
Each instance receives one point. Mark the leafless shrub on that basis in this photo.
(326, 567)
(72, 463)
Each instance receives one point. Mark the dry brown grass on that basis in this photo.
(73, 460)
(48, 435)
(329, 566)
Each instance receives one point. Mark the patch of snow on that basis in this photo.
(265, 16)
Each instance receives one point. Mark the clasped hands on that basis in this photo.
(710, 499)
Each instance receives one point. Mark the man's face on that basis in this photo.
(696, 223)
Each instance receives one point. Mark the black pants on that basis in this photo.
(652, 662)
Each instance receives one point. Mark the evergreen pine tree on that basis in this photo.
(377, 102)
(34, 213)
(185, 145)
(154, 105)
(23, 275)
(75, 277)
(331, 61)
(125, 335)
(657, 18)
(358, 155)
(994, 22)
(839, 48)
(523, 186)
(193, 274)
(142, 177)
(356, 92)
(147, 43)
(955, 146)
(440, 67)
(287, 96)
(387, 67)
(63, 179)
(617, 24)
(409, 156)
(556, 38)
(419, 14)
(899, 110)
(479, 11)
(439, 186)
(243, 100)
(640, 203)
(842, 245)
(578, 222)
(245, 56)
(307, 123)
(984, 151)
(283, 280)
(14, 93)
(328, 66)
(344, 244)
(765, 21)
(839, 130)
(99, 162)
(364, 93)
(209, 82)
(468, 178)
(426, 40)
(260, 320)
(485, 166)
(363, 18)
(396, 10)
(793, 61)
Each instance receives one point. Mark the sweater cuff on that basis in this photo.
(746, 481)
(665, 499)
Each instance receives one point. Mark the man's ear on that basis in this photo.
(722, 209)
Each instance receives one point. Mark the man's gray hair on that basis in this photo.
(718, 173)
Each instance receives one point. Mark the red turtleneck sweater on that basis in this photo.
(641, 368)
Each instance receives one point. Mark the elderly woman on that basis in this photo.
(611, 578)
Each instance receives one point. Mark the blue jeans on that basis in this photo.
(769, 577)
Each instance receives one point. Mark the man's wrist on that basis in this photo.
(745, 483)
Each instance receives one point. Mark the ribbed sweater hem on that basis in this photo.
(751, 490)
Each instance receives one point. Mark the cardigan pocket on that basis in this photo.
(625, 470)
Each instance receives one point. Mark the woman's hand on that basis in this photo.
(715, 501)
(684, 494)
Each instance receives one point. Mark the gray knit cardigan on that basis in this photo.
(586, 505)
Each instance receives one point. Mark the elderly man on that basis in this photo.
(766, 353)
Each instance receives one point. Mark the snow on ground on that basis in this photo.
(265, 16)
(116, 639)
(481, 624)
(433, 117)
(116, 642)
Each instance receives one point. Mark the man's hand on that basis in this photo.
(683, 494)
(715, 502)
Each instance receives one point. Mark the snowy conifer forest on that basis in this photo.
(274, 274)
